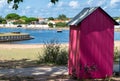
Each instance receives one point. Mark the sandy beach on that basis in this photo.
(23, 46)
(22, 51)
(31, 51)
(117, 43)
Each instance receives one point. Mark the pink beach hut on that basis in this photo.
(91, 44)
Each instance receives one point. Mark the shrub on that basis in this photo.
(4, 22)
(62, 57)
(50, 25)
(53, 54)
(116, 54)
(61, 24)
(51, 50)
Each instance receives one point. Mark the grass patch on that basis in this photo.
(17, 53)
(22, 57)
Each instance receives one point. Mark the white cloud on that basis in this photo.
(96, 2)
(10, 5)
(58, 5)
(73, 4)
(100, 3)
(50, 5)
(105, 7)
(28, 7)
(2, 3)
(114, 3)
(90, 2)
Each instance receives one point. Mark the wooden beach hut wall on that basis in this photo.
(91, 44)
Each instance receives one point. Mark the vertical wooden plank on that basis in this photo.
(97, 45)
(91, 47)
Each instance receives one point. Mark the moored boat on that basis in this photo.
(59, 31)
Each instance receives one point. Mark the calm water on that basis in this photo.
(117, 36)
(42, 36)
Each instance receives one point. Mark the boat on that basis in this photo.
(59, 31)
(19, 25)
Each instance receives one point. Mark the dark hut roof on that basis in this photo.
(84, 13)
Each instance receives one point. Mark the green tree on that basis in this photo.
(50, 18)
(1, 19)
(12, 16)
(115, 18)
(62, 17)
(33, 19)
(30, 19)
(61, 24)
(51, 25)
(27, 20)
(24, 19)
(16, 3)
(4, 22)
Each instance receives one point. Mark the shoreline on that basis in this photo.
(61, 28)
(22, 46)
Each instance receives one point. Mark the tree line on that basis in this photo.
(28, 20)
(17, 19)
(116, 18)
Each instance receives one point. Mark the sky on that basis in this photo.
(44, 8)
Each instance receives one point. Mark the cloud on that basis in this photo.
(10, 5)
(2, 3)
(114, 3)
(47, 9)
(28, 7)
(96, 2)
(90, 2)
(49, 5)
(100, 3)
(26, 10)
(59, 5)
(105, 7)
(73, 4)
